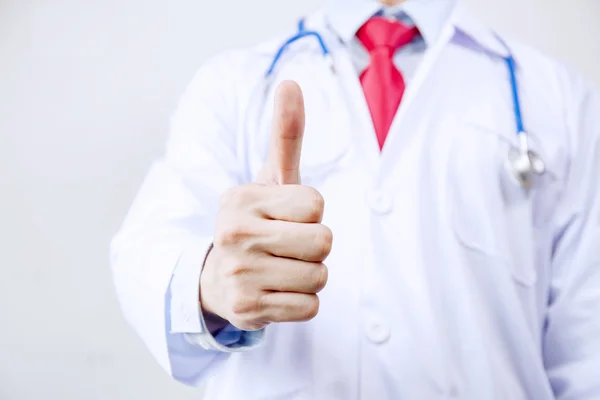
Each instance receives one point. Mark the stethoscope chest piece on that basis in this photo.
(525, 165)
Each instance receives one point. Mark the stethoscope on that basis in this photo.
(524, 164)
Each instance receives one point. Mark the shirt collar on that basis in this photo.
(430, 16)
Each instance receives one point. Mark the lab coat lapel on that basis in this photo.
(397, 135)
(462, 29)
(363, 131)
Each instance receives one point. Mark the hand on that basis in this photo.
(269, 245)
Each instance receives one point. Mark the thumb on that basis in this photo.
(287, 132)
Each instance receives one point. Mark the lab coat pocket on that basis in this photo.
(491, 214)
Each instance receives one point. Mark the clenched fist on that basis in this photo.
(269, 245)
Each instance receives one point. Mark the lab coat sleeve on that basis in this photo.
(572, 336)
(158, 252)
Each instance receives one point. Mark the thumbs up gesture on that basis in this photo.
(266, 264)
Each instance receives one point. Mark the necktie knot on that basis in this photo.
(381, 33)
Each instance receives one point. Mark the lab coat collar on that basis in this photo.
(430, 16)
(472, 33)
(345, 17)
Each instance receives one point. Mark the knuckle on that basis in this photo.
(321, 277)
(235, 270)
(231, 234)
(315, 204)
(324, 241)
(310, 309)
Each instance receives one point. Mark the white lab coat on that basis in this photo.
(445, 280)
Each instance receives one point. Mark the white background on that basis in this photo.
(86, 90)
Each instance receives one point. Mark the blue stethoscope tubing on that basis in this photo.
(301, 34)
(524, 164)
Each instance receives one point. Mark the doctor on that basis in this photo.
(416, 217)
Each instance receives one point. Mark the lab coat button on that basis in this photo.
(381, 203)
(377, 331)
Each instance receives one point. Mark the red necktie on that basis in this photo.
(382, 83)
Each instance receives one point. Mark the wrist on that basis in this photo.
(202, 292)
(204, 296)
(214, 323)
